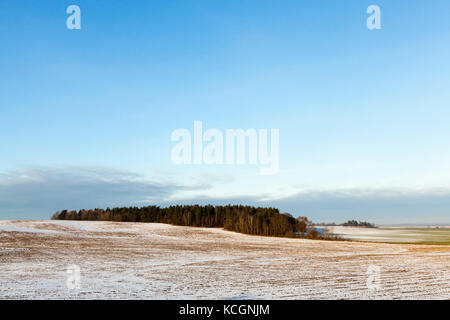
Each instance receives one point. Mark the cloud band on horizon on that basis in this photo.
(37, 193)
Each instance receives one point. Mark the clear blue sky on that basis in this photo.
(86, 115)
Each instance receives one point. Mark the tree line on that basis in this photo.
(238, 218)
(349, 223)
(354, 223)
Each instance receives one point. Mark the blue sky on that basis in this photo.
(86, 115)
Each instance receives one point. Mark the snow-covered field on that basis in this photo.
(157, 261)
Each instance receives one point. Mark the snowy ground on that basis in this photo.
(157, 261)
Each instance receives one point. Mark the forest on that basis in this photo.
(238, 218)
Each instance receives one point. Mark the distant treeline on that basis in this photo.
(354, 223)
(244, 219)
(349, 223)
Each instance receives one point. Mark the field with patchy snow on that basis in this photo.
(158, 261)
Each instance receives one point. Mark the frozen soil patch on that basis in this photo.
(158, 261)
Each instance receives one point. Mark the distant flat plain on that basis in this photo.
(418, 235)
(159, 261)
